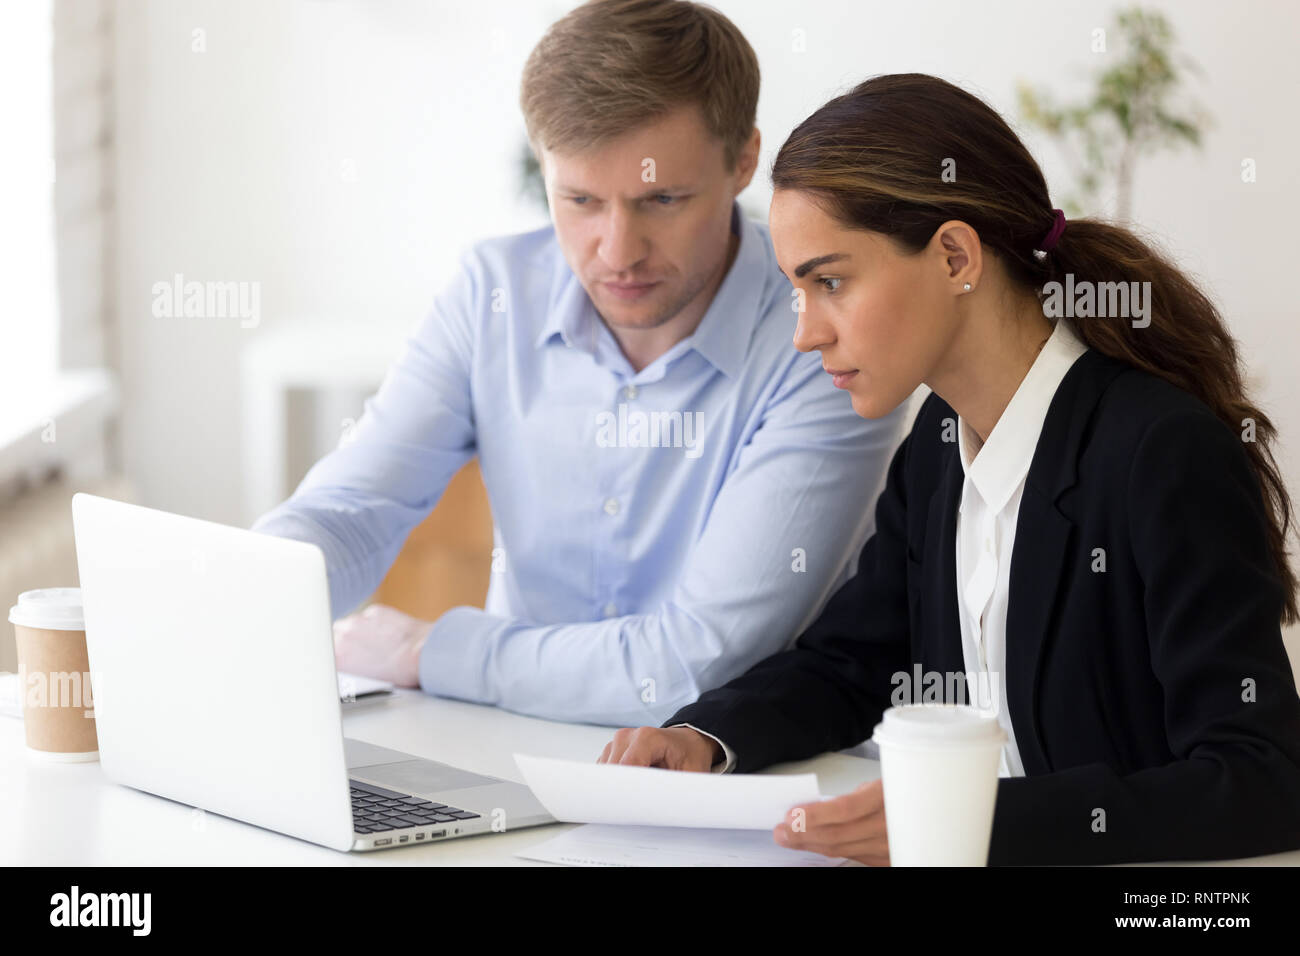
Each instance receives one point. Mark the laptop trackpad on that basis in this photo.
(421, 776)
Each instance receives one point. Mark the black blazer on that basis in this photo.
(1157, 690)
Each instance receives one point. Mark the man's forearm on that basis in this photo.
(358, 548)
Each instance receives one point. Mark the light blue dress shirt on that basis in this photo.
(656, 532)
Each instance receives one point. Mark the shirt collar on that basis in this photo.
(566, 312)
(999, 465)
(724, 333)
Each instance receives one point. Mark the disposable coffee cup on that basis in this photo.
(54, 675)
(939, 764)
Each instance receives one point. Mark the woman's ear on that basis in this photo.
(959, 254)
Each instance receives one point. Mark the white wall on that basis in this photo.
(337, 153)
(231, 164)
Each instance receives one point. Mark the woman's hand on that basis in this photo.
(851, 826)
(381, 642)
(674, 748)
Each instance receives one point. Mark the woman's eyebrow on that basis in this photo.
(803, 270)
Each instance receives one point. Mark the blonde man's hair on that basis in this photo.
(610, 66)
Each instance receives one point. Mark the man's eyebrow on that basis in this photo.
(577, 190)
(811, 264)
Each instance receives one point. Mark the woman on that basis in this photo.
(1086, 518)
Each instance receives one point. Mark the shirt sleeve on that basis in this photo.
(360, 502)
(783, 532)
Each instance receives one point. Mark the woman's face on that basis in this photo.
(881, 319)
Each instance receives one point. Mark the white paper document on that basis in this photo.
(354, 686)
(600, 845)
(579, 792)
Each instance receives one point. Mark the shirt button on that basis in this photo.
(611, 506)
(611, 610)
(988, 545)
(630, 392)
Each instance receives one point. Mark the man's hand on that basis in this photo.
(674, 748)
(851, 826)
(381, 642)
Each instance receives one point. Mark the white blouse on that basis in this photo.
(986, 528)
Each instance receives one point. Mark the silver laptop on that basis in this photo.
(212, 664)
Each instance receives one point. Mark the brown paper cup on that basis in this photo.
(54, 675)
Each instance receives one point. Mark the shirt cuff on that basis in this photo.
(453, 658)
(729, 757)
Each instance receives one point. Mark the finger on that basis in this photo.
(617, 745)
(873, 792)
(836, 810)
(865, 828)
(655, 747)
(645, 748)
(803, 831)
(866, 800)
(604, 754)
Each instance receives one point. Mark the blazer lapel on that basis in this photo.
(941, 639)
(1043, 535)
(1043, 538)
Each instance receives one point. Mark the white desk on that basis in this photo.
(70, 815)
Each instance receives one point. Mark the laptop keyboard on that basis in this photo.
(375, 809)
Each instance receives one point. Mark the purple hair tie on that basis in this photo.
(1053, 234)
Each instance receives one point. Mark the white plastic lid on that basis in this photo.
(938, 725)
(54, 609)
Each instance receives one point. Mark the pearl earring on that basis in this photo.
(966, 287)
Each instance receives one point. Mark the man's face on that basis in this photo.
(644, 220)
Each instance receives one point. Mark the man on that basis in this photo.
(676, 490)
